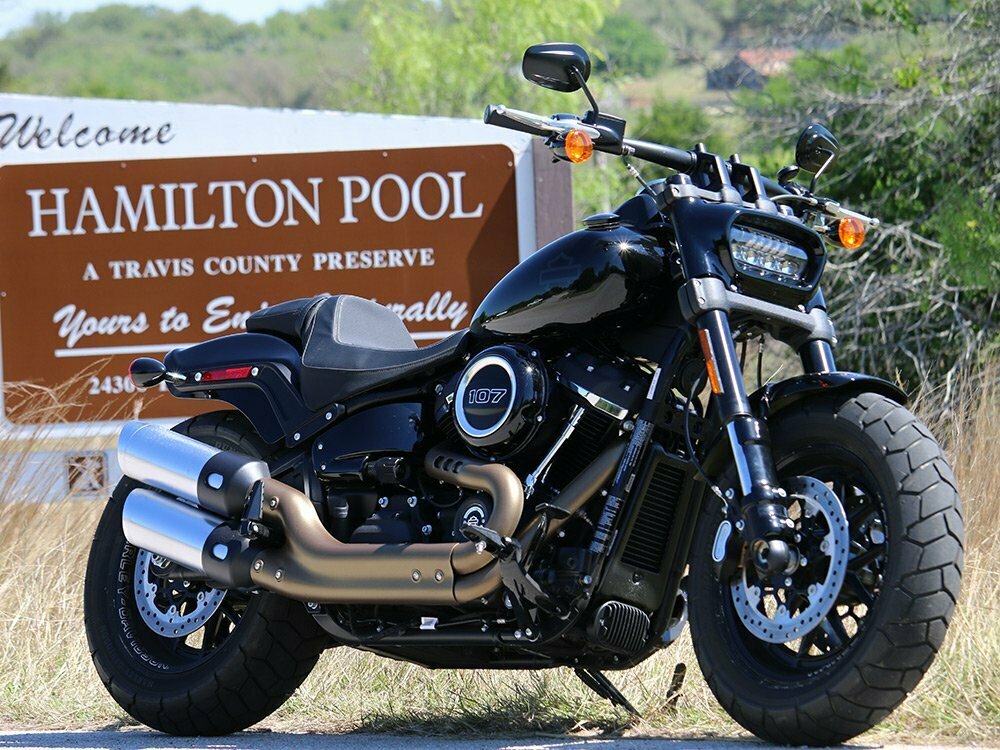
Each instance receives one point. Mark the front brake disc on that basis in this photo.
(783, 611)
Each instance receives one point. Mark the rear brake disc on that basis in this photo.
(169, 608)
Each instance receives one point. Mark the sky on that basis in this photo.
(17, 13)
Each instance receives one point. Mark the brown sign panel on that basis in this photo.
(113, 260)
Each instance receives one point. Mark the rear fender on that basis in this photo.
(774, 397)
(269, 397)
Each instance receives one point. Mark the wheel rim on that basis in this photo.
(202, 624)
(863, 506)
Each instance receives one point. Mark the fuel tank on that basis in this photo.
(578, 284)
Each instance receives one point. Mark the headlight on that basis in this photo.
(765, 255)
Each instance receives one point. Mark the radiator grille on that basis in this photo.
(647, 541)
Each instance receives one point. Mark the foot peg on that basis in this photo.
(596, 681)
(515, 579)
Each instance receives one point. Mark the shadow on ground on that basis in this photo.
(136, 739)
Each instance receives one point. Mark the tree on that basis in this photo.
(455, 56)
(919, 121)
(630, 48)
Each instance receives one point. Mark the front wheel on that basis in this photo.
(181, 656)
(880, 526)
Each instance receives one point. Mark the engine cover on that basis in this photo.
(500, 395)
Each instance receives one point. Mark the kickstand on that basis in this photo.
(596, 681)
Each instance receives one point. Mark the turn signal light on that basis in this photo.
(579, 146)
(851, 232)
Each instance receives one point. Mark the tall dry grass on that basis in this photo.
(48, 681)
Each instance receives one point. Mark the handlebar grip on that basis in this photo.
(665, 156)
(495, 115)
(772, 188)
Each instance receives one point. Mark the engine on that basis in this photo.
(546, 419)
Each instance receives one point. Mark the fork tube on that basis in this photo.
(748, 436)
(817, 356)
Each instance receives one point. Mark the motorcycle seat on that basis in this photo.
(286, 320)
(353, 345)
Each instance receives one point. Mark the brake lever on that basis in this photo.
(834, 209)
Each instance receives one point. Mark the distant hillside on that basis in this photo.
(306, 59)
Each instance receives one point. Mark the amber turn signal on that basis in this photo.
(579, 146)
(851, 232)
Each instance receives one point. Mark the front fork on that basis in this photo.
(762, 510)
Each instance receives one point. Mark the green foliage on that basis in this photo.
(968, 227)
(630, 48)
(919, 122)
(677, 123)
(455, 56)
(123, 51)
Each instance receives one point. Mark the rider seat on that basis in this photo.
(350, 345)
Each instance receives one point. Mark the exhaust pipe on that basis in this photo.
(310, 564)
(188, 536)
(216, 480)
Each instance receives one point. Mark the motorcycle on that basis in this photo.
(566, 483)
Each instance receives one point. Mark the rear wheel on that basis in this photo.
(792, 668)
(184, 657)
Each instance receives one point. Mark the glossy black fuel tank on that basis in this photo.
(578, 284)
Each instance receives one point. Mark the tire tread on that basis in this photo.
(901, 650)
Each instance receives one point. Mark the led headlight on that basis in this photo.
(763, 254)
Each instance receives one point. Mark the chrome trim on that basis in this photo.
(721, 542)
(742, 468)
(463, 384)
(168, 528)
(536, 475)
(598, 402)
(164, 459)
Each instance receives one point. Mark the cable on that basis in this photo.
(690, 447)
(760, 362)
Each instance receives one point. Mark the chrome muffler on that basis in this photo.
(194, 539)
(202, 532)
(214, 479)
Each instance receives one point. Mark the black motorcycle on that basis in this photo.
(565, 483)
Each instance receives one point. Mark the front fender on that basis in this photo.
(774, 397)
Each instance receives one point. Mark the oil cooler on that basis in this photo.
(644, 561)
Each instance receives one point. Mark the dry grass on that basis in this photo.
(48, 680)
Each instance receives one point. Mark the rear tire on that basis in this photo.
(828, 694)
(258, 655)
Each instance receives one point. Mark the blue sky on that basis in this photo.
(17, 13)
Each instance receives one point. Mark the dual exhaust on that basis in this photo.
(192, 516)
(192, 513)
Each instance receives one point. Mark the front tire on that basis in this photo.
(880, 639)
(249, 657)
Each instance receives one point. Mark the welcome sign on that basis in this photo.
(119, 259)
(132, 228)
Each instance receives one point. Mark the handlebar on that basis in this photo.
(664, 156)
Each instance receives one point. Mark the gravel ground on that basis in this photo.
(143, 740)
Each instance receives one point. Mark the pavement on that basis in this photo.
(146, 740)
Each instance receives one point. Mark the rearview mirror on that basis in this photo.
(816, 148)
(560, 66)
